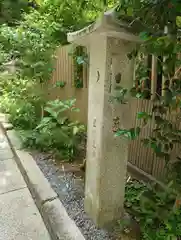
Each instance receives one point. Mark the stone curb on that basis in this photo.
(59, 224)
(37, 183)
(14, 138)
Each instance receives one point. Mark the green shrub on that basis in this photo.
(55, 131)
(22, 99)
(153, 210)
(23, 114)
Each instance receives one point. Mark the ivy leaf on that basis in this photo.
(134, 132)
(75, 130)
(75, 109)
(130, 11)
(60, 84)
(131, 134)
(178, 21)
(144, 36)
(120, 132)
(153, 145)
(80, 60)
(145, 116)
(141, 115)
(158, 148)
(139, 95)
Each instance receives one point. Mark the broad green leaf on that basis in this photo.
(139, 95)
(141, 115)
(120, 133)
(153, 145)
(75, 130)
(75, 110)
(144, 36)
(178, 21)
(130, 11)
(80, 60)
(39, 2)
(134, 133)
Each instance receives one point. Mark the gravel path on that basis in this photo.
(70, 190)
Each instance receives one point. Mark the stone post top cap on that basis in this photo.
(107, 24)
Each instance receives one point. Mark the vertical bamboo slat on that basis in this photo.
(64, 72)
(153, 77)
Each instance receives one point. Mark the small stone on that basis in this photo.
(7, 126)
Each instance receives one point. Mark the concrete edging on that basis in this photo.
(59, 224)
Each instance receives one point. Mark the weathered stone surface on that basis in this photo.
(6, 154)
(4, 145)
(19, 217)
(14, 138)
(10, 176)
(107, 155)
(61, 226)
(37, 182)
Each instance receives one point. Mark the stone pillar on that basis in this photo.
(107, 156)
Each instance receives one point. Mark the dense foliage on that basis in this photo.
(29, 36)
(153, 211)
(21, 98)
(33, 40)
(165, 47)
(55, 132)
(153, 16)
(158, 23)
(11, 10)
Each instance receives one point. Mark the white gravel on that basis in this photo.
(71, 192)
